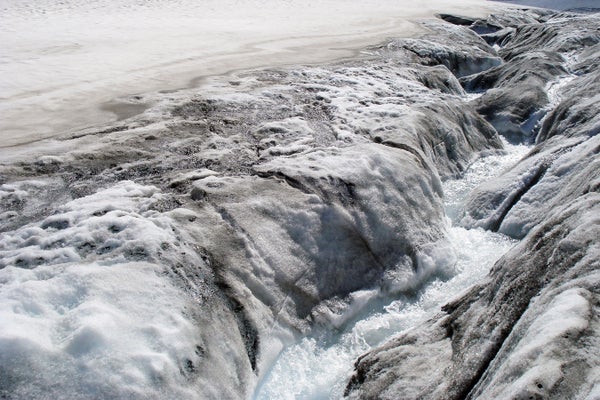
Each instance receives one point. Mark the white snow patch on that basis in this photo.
(85, 301)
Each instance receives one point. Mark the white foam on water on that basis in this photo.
(555, 87)
(317, 368)
(483, 169)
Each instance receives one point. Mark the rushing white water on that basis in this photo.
(319, 367)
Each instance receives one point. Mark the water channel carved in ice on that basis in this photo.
(318, 367)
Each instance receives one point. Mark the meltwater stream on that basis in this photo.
(319, 368)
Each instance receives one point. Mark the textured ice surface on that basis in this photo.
(296, 209)
(290, 200)
(527, 331)
(538, 361)
(86, 301)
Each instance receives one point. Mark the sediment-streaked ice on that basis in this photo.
(310, 196)
(526, 330)
(267, 205)
(62, 64)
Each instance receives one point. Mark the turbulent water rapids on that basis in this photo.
(319, 367)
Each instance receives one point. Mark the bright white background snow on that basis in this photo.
(557, 4)
(61, 60)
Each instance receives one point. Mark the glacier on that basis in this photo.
(318, 231)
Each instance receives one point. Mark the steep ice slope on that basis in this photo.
(530, 330)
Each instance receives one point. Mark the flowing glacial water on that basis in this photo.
(278, 233)
(318, 367)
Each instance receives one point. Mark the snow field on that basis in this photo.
(63, 64)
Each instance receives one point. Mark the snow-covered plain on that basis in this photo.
(63, 64)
